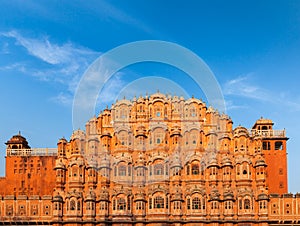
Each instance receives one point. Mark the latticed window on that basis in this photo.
(78, 205)
(262, 204)
(88, 206)
(123, 114)
(121, 204)
(213, 171)
(247, 204)
(122, 170)
(72, 205)
(140, 205)
(129, 170)
(159, 202)
(114, 204)
(158, 169)
(140, 172)
(214, 205)
(103, 205)
(228, 205)
(150, 203)
(128, 203)
(177, 205)
(195, 169)
(193, 112)
(188, 202)
(196, 203)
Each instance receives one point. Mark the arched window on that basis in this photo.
(123, 114)
(129, 170)
(188, 170)
(158, 202)
(75, 171)
(72, 205)
(78, 205)
(195, 169)
(158, 169)
(188, 202)
(228, 205)
(196, 203)
(114, 204)
(56, 206)
(128, 203)
(247, 204)
(214, 205)
(193, 112)
(122, 170)
(121, 204)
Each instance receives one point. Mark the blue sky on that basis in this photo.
(45, 46)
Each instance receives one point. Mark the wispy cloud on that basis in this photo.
(230, 105)
(61, 63)
(14, 66)
(243, 87)
(121, 16)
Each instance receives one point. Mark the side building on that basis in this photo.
(153, 160)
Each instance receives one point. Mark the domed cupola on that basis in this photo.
(17, 142)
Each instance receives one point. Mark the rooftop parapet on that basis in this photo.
(32, 152)
(267, 133)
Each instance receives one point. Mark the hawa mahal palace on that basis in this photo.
(153, 160)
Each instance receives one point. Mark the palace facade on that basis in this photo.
(154, 160)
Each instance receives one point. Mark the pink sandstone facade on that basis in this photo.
(154, 160)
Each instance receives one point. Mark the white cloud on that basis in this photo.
(230, 105)
(111, 11)
(59, 63)
(63, 98)
(15, 66)
(243, 87)
(46, 51)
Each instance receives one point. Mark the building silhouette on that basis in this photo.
(154, 160)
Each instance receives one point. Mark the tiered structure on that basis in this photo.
(157, 160)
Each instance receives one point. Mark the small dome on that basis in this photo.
(213, 162)
(18, 142)
(240, 131)
(59, 165)
(263, 196)
(260, 162)
(226, 161)
(57, 198)
(62, 140)
(140, 196)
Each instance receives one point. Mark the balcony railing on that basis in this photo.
(267, 133)
(32, 152)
